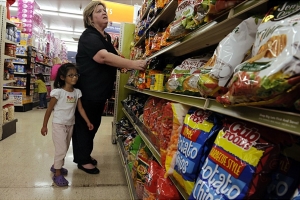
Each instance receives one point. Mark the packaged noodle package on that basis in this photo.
(230, 52)
(240, 163)
(273, 72)
(195, 141)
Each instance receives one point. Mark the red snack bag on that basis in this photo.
(150, 103)
(165, 130)
(166, 190)
(151, 181)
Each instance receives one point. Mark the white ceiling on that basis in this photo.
(66, 23)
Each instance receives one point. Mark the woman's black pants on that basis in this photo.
(83, 138)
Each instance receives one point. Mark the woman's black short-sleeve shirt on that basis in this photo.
(96, 80)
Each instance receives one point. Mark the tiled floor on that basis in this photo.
(26, 157)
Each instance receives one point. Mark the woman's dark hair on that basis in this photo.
(41, 76)
(63, 71)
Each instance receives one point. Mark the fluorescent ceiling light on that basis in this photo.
(70, 42)
(56, 13)
(70, 15)
(64, 32)
(45, 12)
(13, 8)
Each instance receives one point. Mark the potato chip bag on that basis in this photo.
(241, 162)
(274, 67)
(179, 112)
(184, 77)
(195, 141)
(230, 52)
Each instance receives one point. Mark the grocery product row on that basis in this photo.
(206, 154)
(254, 65)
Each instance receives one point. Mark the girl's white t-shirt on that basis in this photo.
(65, 107)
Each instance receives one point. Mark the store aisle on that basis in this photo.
(26, 157)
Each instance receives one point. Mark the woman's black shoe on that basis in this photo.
(94, 162)
(89, 171)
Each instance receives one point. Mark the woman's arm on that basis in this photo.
(44, 130)
(105, 57)
(83, 115)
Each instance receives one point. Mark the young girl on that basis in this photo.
(64, 99)
(42, 90)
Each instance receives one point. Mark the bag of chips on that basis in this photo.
(230, 52)
(273, 72)
(184, 77)
(195, 141)
(179, 112)
(241, 162)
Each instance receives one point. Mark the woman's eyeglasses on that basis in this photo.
(73, 75)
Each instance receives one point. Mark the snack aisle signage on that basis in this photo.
(118, 12)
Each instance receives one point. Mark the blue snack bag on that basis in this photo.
(194, 143)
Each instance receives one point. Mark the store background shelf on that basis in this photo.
(8, 128)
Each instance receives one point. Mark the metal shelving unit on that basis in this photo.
(281, 120)
(8, 128)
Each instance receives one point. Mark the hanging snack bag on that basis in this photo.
(165, 35)
(165, 131)
(184, 77)
(157, 41)
(195, 141)
(273, 72)
(148, 43)
(151, 181)
(285, 180)
(155, 115)
(165, 189)
(139, 170)
(214, 7)
(230, 52)
(179, 112)
(297, 104)
(149, 105)
(240, 163)
(177, 28)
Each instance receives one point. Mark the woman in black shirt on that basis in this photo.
(97, 61)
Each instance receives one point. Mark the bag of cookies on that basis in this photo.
(273, 72)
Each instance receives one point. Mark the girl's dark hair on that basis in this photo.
(41, 76)
(62, 71)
